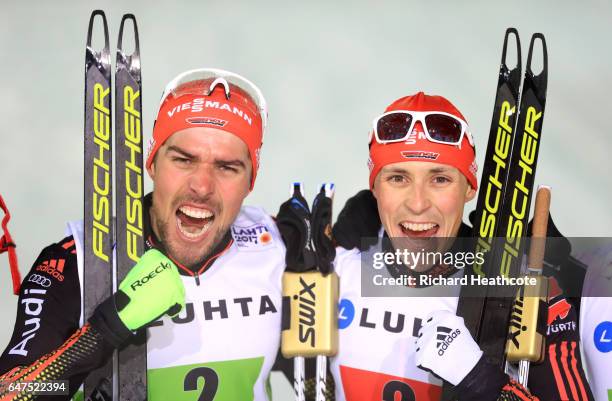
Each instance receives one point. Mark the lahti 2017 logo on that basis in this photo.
(603, 337)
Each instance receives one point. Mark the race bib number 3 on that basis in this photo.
(227, 380)
(372, 386)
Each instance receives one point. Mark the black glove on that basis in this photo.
(293, 221)
(358, 220)
(321, 231)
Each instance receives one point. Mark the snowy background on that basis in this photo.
(326, 69)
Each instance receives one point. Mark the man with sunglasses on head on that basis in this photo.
(404, 341)
(215, 261)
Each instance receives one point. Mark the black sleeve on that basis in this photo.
(561, 376)
(48, 308)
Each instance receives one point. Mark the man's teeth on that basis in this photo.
(418, 226)
(196, 213)
(193, 232)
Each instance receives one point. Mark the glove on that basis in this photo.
(325, 251)
(446, 348)
(152, 288)
(293, 222)
(357, 220)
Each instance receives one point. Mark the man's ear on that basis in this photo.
(470, 193)
(151, 170)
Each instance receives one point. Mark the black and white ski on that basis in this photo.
(98, 197)
(132, 359)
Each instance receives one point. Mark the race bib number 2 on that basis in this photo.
(226, 380)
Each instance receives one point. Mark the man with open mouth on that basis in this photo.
(211, 263)
(406, 343)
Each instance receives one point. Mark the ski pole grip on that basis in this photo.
(309, 317)
(537, 247)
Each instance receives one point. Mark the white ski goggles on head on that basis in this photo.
(219, 77)
(439, 127)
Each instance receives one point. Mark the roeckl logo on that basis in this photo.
(138, 283)
(40, 280)
(444, 338)
(32, 307)
(306, 307)
(419, 154)
(206, 121)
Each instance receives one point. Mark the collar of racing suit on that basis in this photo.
(153, 242)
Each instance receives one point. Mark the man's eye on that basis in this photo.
(396, 178)
(228, 168)
(181, 160)
(441, 179)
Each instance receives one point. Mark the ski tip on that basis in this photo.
(542, 39)
(128, 17)
(512, 32)
(544, 187)
(92, 19)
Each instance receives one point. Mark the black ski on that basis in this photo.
(508, 177)
(132, 365)
(98, 197)
(516, 204)
(493, 182)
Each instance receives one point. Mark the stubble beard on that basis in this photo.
(190, 256)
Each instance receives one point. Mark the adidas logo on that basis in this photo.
(444, 338)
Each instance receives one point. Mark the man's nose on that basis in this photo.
(202, 180)
(418, 200)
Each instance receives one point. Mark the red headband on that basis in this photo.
(188, 107)
(421, 149)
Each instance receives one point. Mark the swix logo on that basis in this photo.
(53, 267)
(199, 104)
(256, 235)
(558, 310)
(307, 300)
(419, 154)
(516, 319)
(445, 336)
(224, 309)
(206, 121)
(33, 305)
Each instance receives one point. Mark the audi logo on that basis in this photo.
(41, 280)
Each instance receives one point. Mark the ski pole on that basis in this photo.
(310, 301)
(526, 334)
